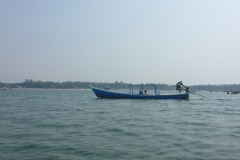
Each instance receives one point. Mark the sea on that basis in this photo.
(37, 124)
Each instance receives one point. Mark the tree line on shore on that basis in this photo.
(29, 83)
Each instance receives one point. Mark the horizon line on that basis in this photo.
(121, 82)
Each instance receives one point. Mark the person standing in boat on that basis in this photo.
(145, 92)
(178, 86)
(140, 92)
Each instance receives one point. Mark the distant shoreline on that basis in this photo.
(47, 89)
(31, 84)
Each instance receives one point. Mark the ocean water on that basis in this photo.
(74, 124)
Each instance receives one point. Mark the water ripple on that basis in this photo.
(71, 124)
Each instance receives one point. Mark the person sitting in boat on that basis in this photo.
(178, 86)
(145, 92)
(140, 92)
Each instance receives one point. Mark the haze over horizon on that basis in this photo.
(136, 41)
(119, 82)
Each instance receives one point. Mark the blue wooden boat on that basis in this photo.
(102, 93)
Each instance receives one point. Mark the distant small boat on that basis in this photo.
(102, 93)
(235, 92)
(4, 88)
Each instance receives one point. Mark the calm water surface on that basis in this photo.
(74, 124)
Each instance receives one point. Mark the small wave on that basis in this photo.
(32, 146)
(114, 130)
(51, 126)
(121, 131)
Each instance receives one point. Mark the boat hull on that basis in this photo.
(117, 95)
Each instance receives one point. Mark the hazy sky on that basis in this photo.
(195, 41)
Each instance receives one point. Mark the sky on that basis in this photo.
(137, 41)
